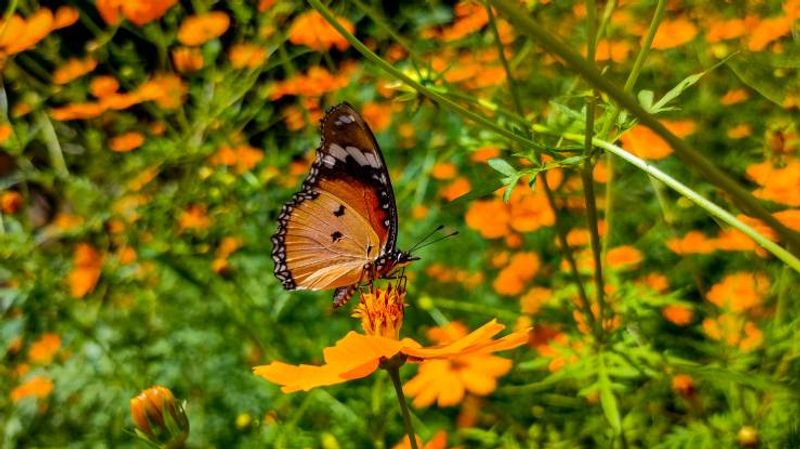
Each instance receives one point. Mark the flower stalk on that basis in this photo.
(392, 366)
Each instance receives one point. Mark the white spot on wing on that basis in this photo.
(358, 155)
(373, 160)
(337, 151)
(328, 161)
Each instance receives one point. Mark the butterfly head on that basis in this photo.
(403, 258)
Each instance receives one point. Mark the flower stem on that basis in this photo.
(394, 373)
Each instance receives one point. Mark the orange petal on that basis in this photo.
(299, 377)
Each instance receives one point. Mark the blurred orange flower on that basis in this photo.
(139, 12)
(444, 170)
(778, 184)
(314, 83)
(439, 441)
(734, 96)
(446, 381)
(10, 202)
(683, 384)
(678, 315)
(378, 115)
(694, 242)
(104, 85)
(166, 89)
(739, 292)
(37, 386)
(768, 31)
(44, 349)
(5, 132)
(126, 142)
(242, 157)
(19, 34)
(246, 56)
(624, 257)
(720, 30)
(313, 31)
(459, 187)
(358, 355)
(561, 351)
(485, 153)
(469, 18)
(532, 301)
(674, 33)
(645, 143)
(514, 277)
(187, 59)
(740, 131)
(199, 29)
(611, 50)
(194, 217)
(65, 16)
(73, 69)
(87, 265)
(734, 331)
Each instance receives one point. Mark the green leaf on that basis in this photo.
(607, 399)
(646, 99)
(687, 82)
(503, 167)
(511, 183)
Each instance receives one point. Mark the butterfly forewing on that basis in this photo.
(344, 217)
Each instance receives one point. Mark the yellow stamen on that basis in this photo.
(381, 312)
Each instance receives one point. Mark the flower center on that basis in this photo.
(381, 311)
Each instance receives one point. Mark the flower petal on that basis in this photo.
(478, 342)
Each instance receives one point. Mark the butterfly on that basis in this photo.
(340, 230)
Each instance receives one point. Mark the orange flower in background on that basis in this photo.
(378, 115)
(459, 187)
(243, 157)
(65, 16)
(624, 257)
(678, 315)
(734, 96)
(139, 12)
(247, 56)
(740, 131)
(490, 218)
(485, 153)
(87, 265)
(73, 69)
(358, 355)
(166, 89)
(313, 31)
(194, 217)
(446, 381)
(530, 210)
(683, 384)
(514, 277)
(126, 142)
(674, 33)
(5, 132)
(20, 34)
(768, 31)
(77, 111)
(734, 331)
(10, 202)
(44, 349)
(104, 85)
(645, 143)
(187, 59)
(533, 300)
(444, 170)
(314, 83)
(720, 30)
(469, 18)
(694, 242)
(654, 281)
(439, 441)
(608, 50)
(37, 386)
(739, 292)
(199, 29)
(778, 184)
(159, 417)
(560, 349)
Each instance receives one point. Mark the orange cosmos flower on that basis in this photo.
(778, 184)
(513, 278)
(166, 89)
(740, 131)
(624, 257)
(459, 187)
(358, 355)
(10, 202)
(159, 417)
(768, 31)
(645, 143)
(608, 50)
(485, 153)
(469, 18)
(734, 96)
(532, 301)
(740, 291)
(694, 242)
(126, 142)
(683, 384)
(674, 33)
(313, 31)
(187, 59)
(37, 386)
(104, 85)
(20, 34)
(194, 217)
(439, 441)
(139, 12)
(378, 115)
(199, 29)
(678, 315)
(73, 69)
(44, 349)
(734, 331)
(65, 16)
(5, 132)
(720, 30)
(87, 265)
(314, 83)
(247, 56)
(446, 381)
(243, 157)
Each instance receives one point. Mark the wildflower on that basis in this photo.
(314, 83)
(459, 187)
(734, 331)
(677, 314)
(126, 142)
(187, 59)
(194, 217)
(10, 202)
(720, 30)
(559, 349)
(159, 417)
(747, 436)
(359, 355)
(608, 50)
(73, 69)
(139, 12)
(443, 170)
(490, 218)
(740, 131)
(199, 29)
(767, 31)
(44, 349)
(37, 386)
(87, 265)
(485, 153)
(734, 96)
(378, 115)
(65, 16)
(533, 300)
(683, 384)
(674, 33)
(313, 31)
(77, 111)
(243, 157)
(469, 18)
(694, 242)
(439, 441)
(103, 86)
(246, 56)
(645, 143)
(655, 281)
(739, 292)
(512, 279)
(778, 184)
(19, 34)
(624, 257)
(166, 89)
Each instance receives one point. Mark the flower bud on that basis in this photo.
(159, 418)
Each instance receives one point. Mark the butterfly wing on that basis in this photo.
(345, 215)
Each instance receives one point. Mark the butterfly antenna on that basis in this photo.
(427, 236)
(444, 237)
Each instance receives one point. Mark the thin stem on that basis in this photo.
(683, 151)
(53, 146)
(512, 84)
(394, 374)
(713, 209)
(424, 90)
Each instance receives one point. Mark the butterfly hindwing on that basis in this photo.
(344, 217)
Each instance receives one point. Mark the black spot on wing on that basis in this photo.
(340, 211)
(336, 236)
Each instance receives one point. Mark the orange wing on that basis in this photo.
(329, 238)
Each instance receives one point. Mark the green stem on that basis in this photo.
(683, 151)
(687, 192)
(53, 146)
(394, 374)
(424, 90)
